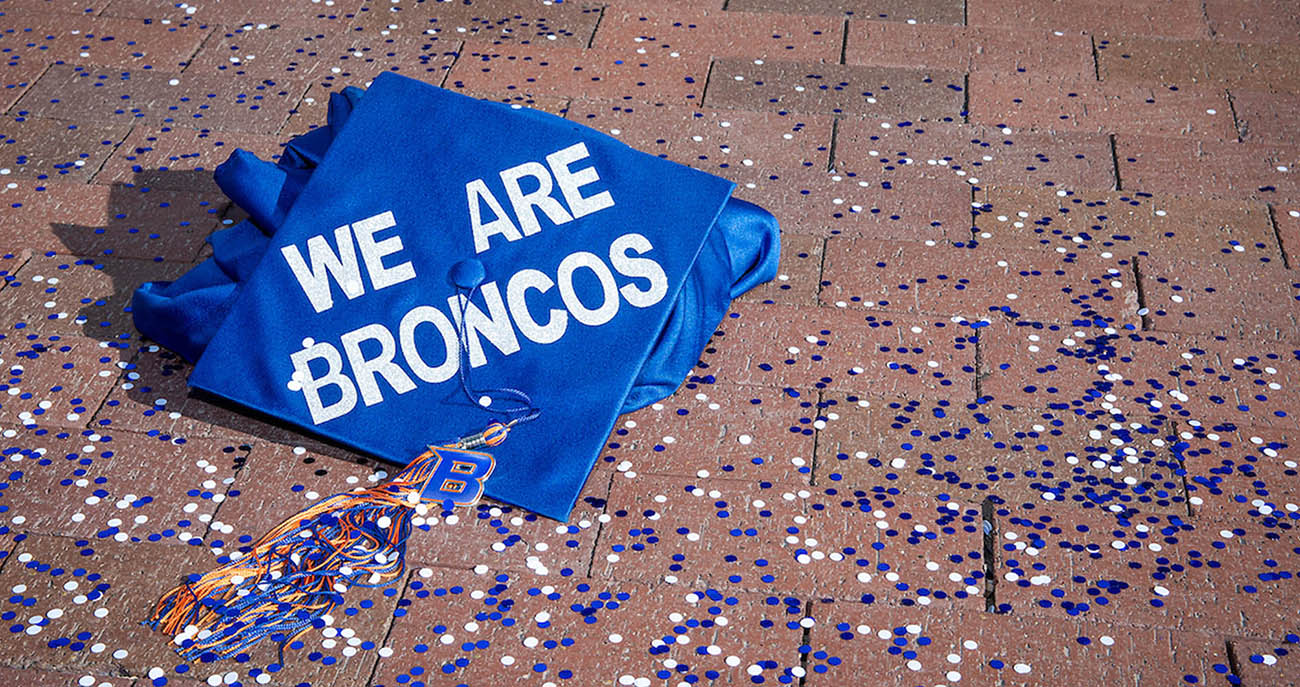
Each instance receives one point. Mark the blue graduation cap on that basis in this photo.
(425, 275)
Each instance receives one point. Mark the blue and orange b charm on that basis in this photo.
(458, 476)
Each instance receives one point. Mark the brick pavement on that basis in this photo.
(1017, 410)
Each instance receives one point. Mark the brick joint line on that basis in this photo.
(600, 526)
(844, 42)
(26, 91)
(130, 129)
(1114, 162)
(1140, 287)
(805, 640)
(989, 530)
(1277, 234)
(591, 40)
(830, 156)
(1232, 110)
(392, 622)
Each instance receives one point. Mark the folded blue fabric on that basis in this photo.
(424, 249)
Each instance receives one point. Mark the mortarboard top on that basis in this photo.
(573, 248)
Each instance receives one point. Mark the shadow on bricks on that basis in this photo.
(151, 394)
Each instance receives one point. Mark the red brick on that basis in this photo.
(1244, 301)
(1038, 365)
(1198, 378)
(15, 78)
(334, 60)
(741, 146)
(179, 158)
(674, 5)
(91, 576)
(1122, 224)
(43, 678)
(597, 630)
(852, 204)
(1185, 63)
(153, 397)
(967, 48)
(360, 57)
(568, 24)
(1169, 62)
(719, 430)
(600, 74)
(974, 283)
(80, 296)
(1065, 104)
(1153, 571)
(85, 7)
(798, 275)
(123, 488)
(1253, 20)
(328, 15)
(947, 640)
(1012, 456)
(1239, 471)
(880, 92)
(117, 221)
(10, 263)
(147, 97)
(110, 42)
(1209, 168)
(61, 380)
(506, 537)
(840, 349)
(1173, 18)
(976, 154)
(1260, 662)
(791, 541)
(36, 148)
(278, 481)
(1265, 116)
(724, 34)
(940, 12)
(294, 51)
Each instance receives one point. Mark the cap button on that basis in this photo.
(467, 273)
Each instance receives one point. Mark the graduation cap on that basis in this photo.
(421, 277)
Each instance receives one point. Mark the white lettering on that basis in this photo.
(475, 191)
(541, 198)
(644, 268)
(516, 292)
(364, 370)
(324, 264)
(333, 376)
(571, 182)
(373, 252)
(609, 303)
(451, 349)
(496, 328)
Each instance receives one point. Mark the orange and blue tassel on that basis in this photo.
(297, 573)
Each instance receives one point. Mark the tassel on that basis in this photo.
(298, 572)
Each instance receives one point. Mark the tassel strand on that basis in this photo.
(297, 573)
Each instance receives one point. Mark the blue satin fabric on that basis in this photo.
(740, 252)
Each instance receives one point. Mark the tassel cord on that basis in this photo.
(296, 573)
